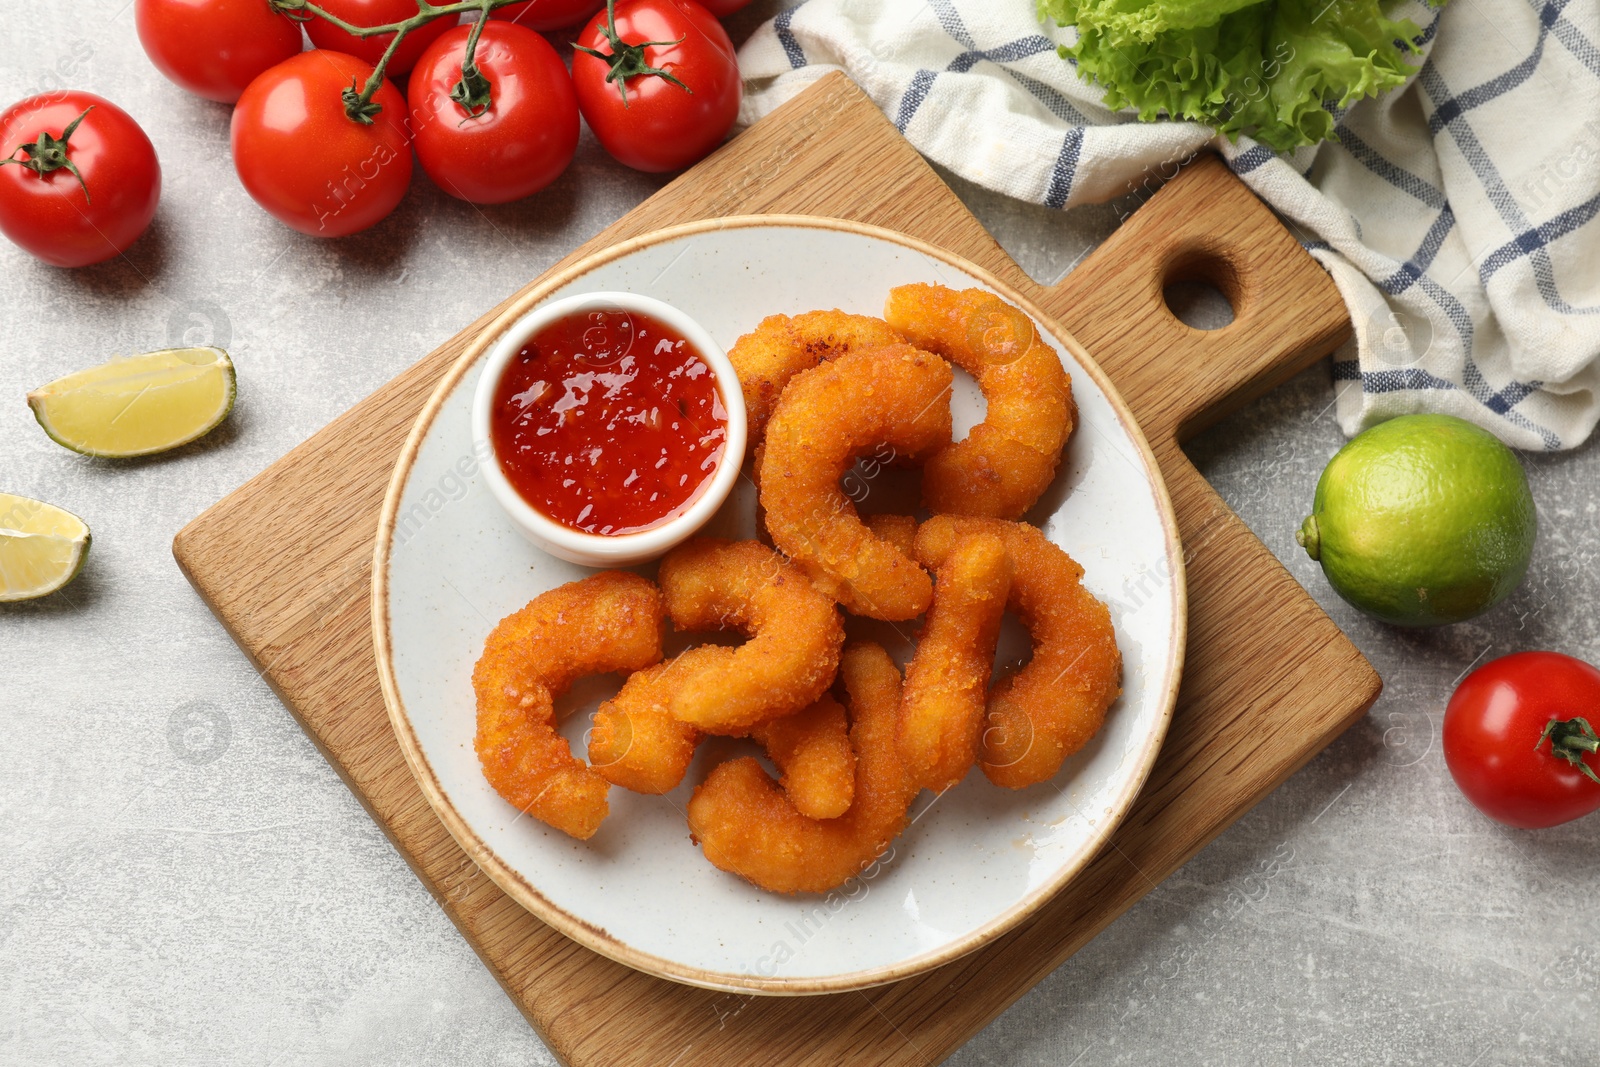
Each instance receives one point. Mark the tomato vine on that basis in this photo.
(473, 87)
(473, 92)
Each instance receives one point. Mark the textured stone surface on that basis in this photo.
(187, 882)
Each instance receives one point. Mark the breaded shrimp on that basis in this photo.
(795, 635)
(636, 742)
(783, 346)
(1054, 705)
(897, 395)
(813, 754)
(610, 621)
(898, 530)
(947, 681)
(747, 826)
(1009, 459)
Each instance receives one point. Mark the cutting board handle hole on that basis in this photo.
(1198, 304)
(1201, 288)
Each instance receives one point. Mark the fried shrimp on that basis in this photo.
(607, 622)
(942, 709)
(895, 395)
(1047, 711)
(898, 530)
(783, 346)
(1009, 459)
(747, 826)
(795, 635)
(636, 742)
(813, 753)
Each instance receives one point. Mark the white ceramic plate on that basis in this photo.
(976, 861)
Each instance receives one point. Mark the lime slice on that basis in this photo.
(42, 548)
(139, 405)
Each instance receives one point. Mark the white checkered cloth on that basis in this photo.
(1456, 215)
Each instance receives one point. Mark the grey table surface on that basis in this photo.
(186, 881)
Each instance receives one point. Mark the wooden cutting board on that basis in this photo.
(285, 563)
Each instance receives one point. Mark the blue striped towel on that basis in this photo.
(1456, 215)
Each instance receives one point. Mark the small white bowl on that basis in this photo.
(621, 550)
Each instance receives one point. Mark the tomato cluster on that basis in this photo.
(656, 79)
(327, 147)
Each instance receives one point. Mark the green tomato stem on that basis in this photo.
(49, 153)
(473, 93)
(1570, 739)
(627, 60)
(358, 105)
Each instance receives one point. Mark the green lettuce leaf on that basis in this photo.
(1265, 68)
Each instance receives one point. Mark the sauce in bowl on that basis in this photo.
(608, 422)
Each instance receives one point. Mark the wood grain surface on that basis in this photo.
(284, 562)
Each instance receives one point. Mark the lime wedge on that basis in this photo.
(42, 548)
(139, 405)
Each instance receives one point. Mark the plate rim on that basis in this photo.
(597, 939)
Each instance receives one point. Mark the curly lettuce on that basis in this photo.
(1266, 68)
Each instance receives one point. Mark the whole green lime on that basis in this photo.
(1422, 520)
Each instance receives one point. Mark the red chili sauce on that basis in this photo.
(608, 422)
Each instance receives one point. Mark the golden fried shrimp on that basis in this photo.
(898, 530)
(636, 742)
(610, 621)
(748, 827)
(640, 745)
(813, 753)
(795, 635)
(1054, 705)
(1009, 459)
(781, 347)
(896, 395)
(947, 681)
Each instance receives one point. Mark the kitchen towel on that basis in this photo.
(1456, 214)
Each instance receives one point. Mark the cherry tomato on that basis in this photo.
(306, 161)
(1517, 739)
(80, 180)
(365, 13)
(548, 14)
(643, 118)
(214, 48)
(527, 134)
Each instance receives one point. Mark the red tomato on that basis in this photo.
(67, 219)
(366, 13)
(1497, 749)
(641, 117)
(214, 47)
(723, 8)
(306, 161)
(548, 14)
(526, 137)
